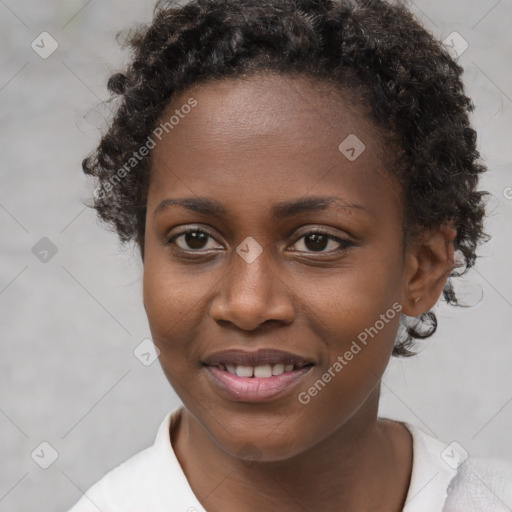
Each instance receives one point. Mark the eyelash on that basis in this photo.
(345, 244)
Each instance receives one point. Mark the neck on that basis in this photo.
(363, 466)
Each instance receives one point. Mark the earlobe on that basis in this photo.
(430, 261)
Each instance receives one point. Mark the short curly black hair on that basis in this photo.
(403, 74)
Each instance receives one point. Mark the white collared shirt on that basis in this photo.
(153, 480)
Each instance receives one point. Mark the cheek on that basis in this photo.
(358, 358)
(164, 300)
(351, 300)
(172, 294)
(169, 304)
(358, 315)
(376, 290)
(176, 299)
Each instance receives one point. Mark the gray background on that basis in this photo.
(69, 326)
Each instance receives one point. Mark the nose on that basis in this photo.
(253, 294)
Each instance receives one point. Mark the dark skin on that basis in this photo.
(250, 144)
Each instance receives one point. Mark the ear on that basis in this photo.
(429, 261)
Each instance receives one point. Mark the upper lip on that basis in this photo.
(257, 358)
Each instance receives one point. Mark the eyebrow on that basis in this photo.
(207, 206)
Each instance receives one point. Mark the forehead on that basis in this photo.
(294, 107)
(268, 135)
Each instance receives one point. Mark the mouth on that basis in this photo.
(255, 376)
(264, 371)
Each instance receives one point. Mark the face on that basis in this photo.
(285, 242)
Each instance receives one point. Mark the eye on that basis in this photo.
(318, 240)
(193, 239)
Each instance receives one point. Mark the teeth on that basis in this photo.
(263, 371)
(277, 369)
(244, 371)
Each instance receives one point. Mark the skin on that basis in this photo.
(250, 144)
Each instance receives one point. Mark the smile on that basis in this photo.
(255, 376)
(255, 384)
(263, 371)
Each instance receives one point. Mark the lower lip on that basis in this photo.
(255, 389)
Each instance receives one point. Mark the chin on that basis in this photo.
(266, 446)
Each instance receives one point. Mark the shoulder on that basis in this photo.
(481, 484)
(432, 472)
(445, 478)
(137, 481)
(125, 482)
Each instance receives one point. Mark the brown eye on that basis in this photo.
(191, 240)
(318, 241)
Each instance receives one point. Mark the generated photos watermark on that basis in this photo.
(304, 397)
(144, 150)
